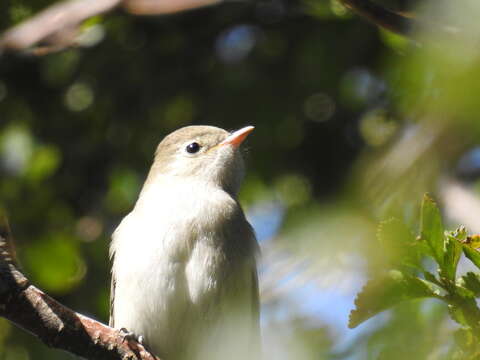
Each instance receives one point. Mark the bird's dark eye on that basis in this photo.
(193, 148)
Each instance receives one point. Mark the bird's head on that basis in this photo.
(203, 153)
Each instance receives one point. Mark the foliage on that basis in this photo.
(353, 125)
(411, 277)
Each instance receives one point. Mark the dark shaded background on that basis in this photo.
(333, 99)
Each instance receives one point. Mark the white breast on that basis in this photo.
(169, 263)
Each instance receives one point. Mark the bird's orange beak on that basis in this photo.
(237, 137)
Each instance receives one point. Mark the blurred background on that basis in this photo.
(353, 125)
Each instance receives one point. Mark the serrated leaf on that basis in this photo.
(473, 241)
(463, 337)
(460, 234)
(383, 293)
(457, 314)
(453, 251)
(472, 254)
(432, 229)
(430, 277)
(398, 243)
(464, 293)
(472, 282)
(422, 247)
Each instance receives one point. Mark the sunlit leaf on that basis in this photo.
(398, 243)
(463, 337)
(472, 282)
(473, 241)
(452, 256)
(458, 315)
(383, 293)
(472, 254)
(432, 228)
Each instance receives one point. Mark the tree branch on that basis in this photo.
(59, 25)
(380, 16)
(398, 22)
(53, 323)
(49, 22)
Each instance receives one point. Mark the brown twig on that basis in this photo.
(53, 323)
(150, 7)
(381, 16)
(59, 24)
(52, 20)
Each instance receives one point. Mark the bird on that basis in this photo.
(184, 273)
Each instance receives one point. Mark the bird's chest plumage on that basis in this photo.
(174, 263)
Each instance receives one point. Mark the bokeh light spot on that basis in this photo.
(319, 107)
(55, 262)
(293, 189)
(91, 36)
(376, 128)
(44, 162)
(89, 228)
(359, 86)
(16, 148)
(79, 96)
(339, 9)
(235, 44)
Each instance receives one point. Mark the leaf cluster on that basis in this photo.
(410, 275)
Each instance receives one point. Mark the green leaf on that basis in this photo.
(464, 337)
(472, 241)
(383, 293)
(471, 281)
(398, 243)
(431, 278)
(460, 234)
(452, 255)
(472, 254)
(453, 251)
(432, 229)
(464, 293)
(458, 315)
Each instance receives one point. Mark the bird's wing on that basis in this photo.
(256, 335)
(113, 282)
(255, 297)
(111, 321)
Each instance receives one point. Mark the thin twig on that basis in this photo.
(53, 19)
(380, 16)
(59, 24)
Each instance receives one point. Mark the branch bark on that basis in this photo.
(53, 323)
(380, 16)
(58, 26)
(398, 22)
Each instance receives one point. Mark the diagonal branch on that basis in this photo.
(380, 16)
(53, 323)
(59, 24)
(48, 22)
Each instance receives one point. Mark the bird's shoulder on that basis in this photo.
(186, 210)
